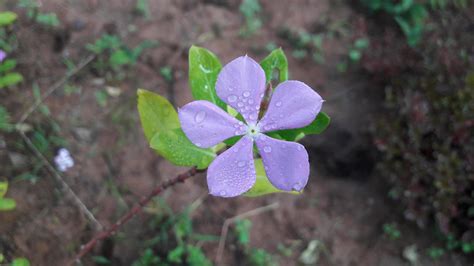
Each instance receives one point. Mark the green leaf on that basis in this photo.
(7, 18)
(275, 60)
(262, 185)
(10, 79)
(204, 66)
(7, 65)
(7, 204)
(319, 124)
(20, 262)
(120, 58)
(176, 148)
(101, 260)
(3, 188)
(48, 19)
(156, 113)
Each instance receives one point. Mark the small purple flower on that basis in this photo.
(241, 84)
(3, 55)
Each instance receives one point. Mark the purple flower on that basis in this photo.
(3, 55)
(241, 84)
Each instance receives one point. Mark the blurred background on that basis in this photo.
(392, 178)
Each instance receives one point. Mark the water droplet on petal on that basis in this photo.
(241, 164)
(251, 101)
(198, 144)
(299, 148)
(257, 107)
(297, 186)
(246, 94)
(236, 125)
(267, 149)
(240, 104)
(253, 116)
(200, 116)
(222, 193)
(241, 123)
(232, 98)
(278, 104)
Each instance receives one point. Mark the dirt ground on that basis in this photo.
(344, 206)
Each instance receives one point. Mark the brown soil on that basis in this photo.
(344, 206)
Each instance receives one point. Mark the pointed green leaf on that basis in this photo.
(20, 262)
(176, 148)
(275, 60)
(3, 188)
(7, 204)
(7, 18)
(204, 66)
(156, 113)
(10, 79)
(316, 127)
(262, 184)
(7, 65)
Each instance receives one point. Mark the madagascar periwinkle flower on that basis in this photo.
(3, 55)
(63, 160)
(241, 84)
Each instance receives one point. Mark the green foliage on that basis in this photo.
(20, 262)
(426, 142)
(6, 204)
(167, 73)
(253, 256)
(33, 13)
(114, 55)
(204, 66)
(409, 15)
(442, 4)
(8, 78)
(435, 253)
(162, 129)
(5, 120)
(175, 243)
(250, 9)
(7, 18)
(142, 7)
(174, 146)
(391, 231)
(305, 44)
(355, 52)
(101, 260)
(276, 60)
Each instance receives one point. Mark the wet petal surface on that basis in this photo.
(286, 163)
(207, 125)
(293, 105)
(241, 84)
(233, 172)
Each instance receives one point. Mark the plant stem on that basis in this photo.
(133, 212)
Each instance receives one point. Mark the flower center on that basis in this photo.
(253, 131)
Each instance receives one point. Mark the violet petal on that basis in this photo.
(241, 84)
(207, 125)
(293, 105)
(233, 172)
(286, 163)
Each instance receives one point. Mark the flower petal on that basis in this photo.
(286, 163)
(207, 125)
(241, 84)
(233, 172)
(293, 105)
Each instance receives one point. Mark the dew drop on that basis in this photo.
(257, 107)
(261, 95)
(253, 116)
(198, 144)
(278, 104)
(299, 148)
(241, 164)
(297, 186)
(222, 193)
(240, 104)
(246, 94)
(236, 125)
(251, 101)
(200, 116)
(267, 149)
(241, 123)
(232, 98)
(244, 100)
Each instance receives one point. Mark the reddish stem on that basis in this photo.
(134, 211)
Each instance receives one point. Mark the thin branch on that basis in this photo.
(54, 87)
(228, 222)
(64, 186)
(133, 212)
